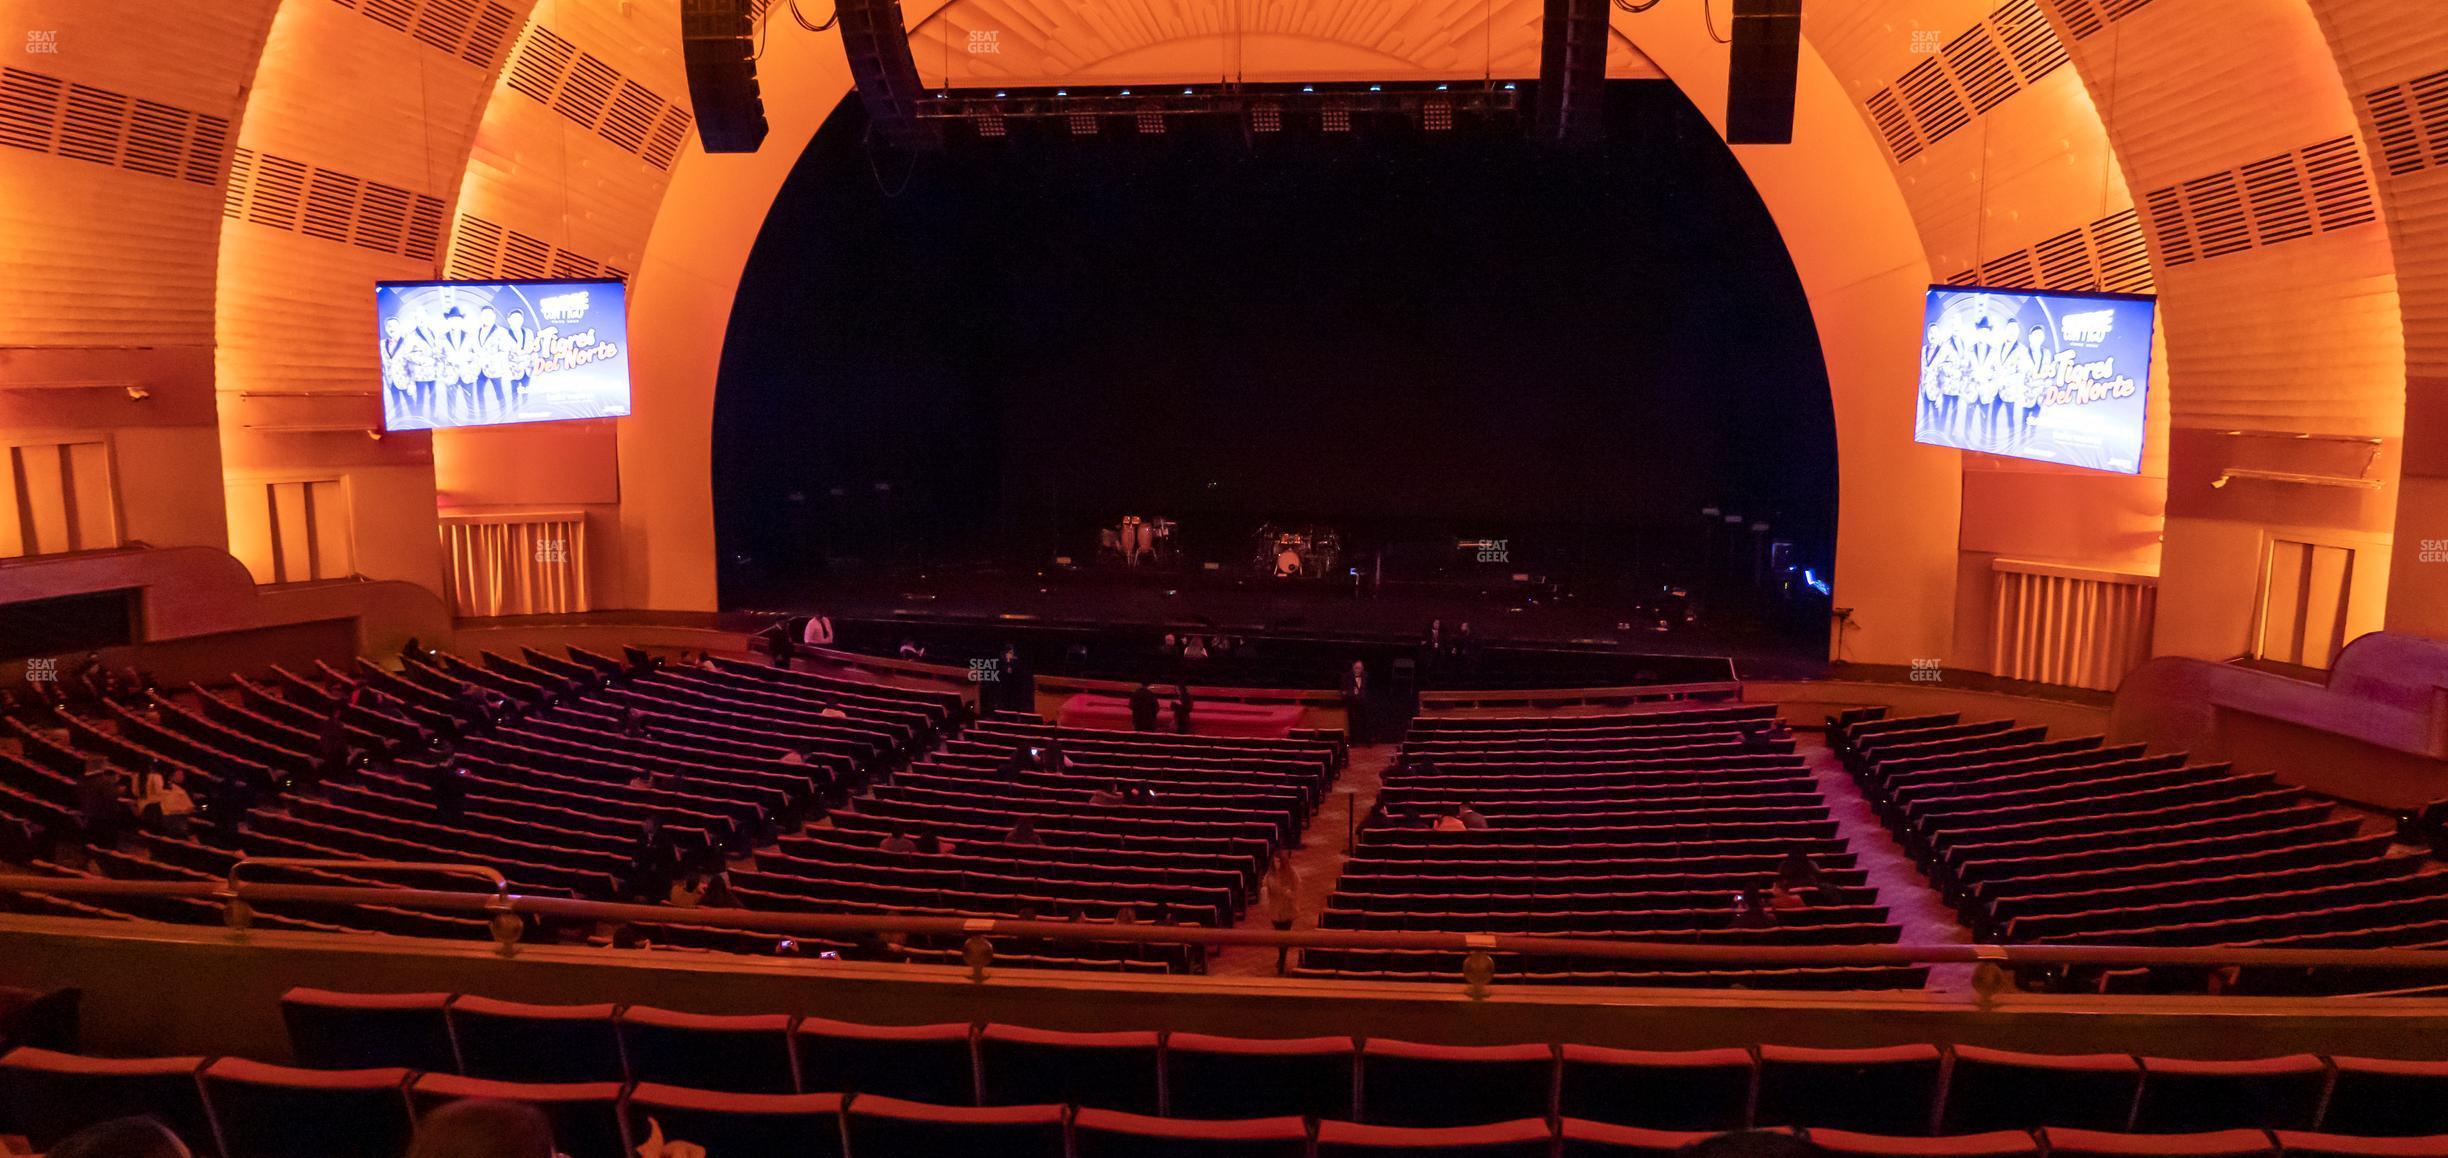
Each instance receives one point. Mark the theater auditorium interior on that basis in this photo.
(1224, 578)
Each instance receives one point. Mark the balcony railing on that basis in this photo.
(1991, 962)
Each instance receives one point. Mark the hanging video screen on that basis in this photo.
(471, 353)
(2054, 377)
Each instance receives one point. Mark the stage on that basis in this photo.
(1761, 641)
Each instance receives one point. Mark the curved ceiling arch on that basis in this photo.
(2235, 207)
(1851, 236)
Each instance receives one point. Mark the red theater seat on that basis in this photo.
(513, 1041)
(1876, 1091)
(1110, 1134)
(745, 1054)
(586, 1117)
(1707, 1089)
(269, 1111)
(1990, 1144)
(927, 1063)
(2374, 1096)
(1242, 1077)
(350, 1031)
(1411, 1084)
(2300, 1144)
(1583, 1139)
(2072, 1143)
(47, 1096)
(800, 1125)
(1110, 1071)
(2279, 1093)
(1995, 1089)
(1524, 1139)
(890, 1128)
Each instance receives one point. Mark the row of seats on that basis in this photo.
(2039, 839)
(233, 1108)
(556, 788)
(1202, 818)
(1659, 826)
(1903, 1090)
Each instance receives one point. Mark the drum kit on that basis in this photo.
(1295, 552)
(1140, 542)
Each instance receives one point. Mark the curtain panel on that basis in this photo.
(530, 564)
(2069, 625)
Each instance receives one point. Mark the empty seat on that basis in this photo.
(1522, 1139)
(1875, 1091)
(513, 1041)
(1111, 1134)
(2375, 1096)
(1207, 1076)
(1987, 1144)
(269, 1111)
(1406, 1083)
(2278, 1093)
(586, 1118)
(800, 1125)
(745, 1054)
(47, 1096)
(1578, 1138)
(2066, 1142)
(925, 1063)
(1110, 1071)
(352, 1031)
(2299, 1144)
(881, 1127)
(1708, 1089)
(1995, 1089)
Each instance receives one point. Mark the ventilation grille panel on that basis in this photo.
(475, 31)
(2411, 120)
(2005, 53)
(82, 123)
(296, 197)
(595, 96)
(2316, 189)
(482, 249)
(2108, 254)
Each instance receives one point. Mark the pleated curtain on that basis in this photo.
(531, 564)
(2069, 626)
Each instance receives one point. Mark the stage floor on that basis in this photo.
(1762, 647)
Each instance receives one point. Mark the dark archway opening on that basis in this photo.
(1415, 339)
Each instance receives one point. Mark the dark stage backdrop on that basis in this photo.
(1406, 335)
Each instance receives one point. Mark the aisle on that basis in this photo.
(1319, 859)
(1911, 903)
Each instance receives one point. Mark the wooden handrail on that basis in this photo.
(841, 925)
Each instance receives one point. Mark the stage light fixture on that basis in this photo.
(1437, 116)
(1083, 124)
(1151, 124)
(1335, 119)
(1266, 118)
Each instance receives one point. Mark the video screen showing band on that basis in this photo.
(2055, 377)
(462, 353)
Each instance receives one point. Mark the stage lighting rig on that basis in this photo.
(1256, 111)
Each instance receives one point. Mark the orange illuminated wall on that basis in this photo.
(118, 136)
(346, 167)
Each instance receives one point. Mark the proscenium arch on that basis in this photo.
(1845, 224)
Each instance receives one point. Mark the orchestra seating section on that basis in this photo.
(573, 769)
(608, 1077)
(602, 778)
(1631, 826)
(2074, 841)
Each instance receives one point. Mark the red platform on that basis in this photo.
(1219, 718)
